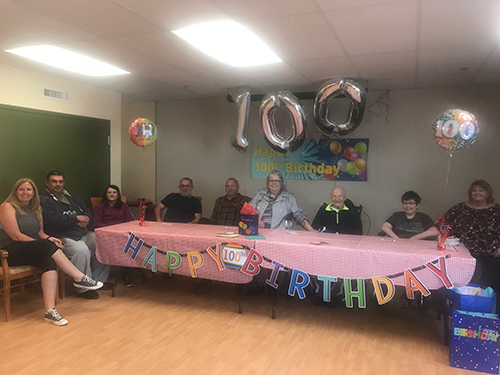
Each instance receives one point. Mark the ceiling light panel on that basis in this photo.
(67, 60)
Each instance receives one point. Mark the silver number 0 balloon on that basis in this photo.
(270, 103)
(354, 92)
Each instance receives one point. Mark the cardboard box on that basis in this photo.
(474, 342)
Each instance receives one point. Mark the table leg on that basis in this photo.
(113, 291)
(240, 309)
(275, 305)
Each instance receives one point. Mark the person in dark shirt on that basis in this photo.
(227, 208)
(340, 216)
(181, 207)
(476, 223)
(409, 223)
(66, 216)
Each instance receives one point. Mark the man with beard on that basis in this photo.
(181, 207)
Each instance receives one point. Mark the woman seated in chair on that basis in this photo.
(277, 206)
(109, 211)
(22, 236)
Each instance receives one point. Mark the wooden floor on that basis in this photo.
(163, 327)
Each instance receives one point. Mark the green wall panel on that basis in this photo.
(33, 142)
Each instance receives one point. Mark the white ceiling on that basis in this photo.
(391, 44)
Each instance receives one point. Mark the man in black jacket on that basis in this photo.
(65, 216)
(340, 216)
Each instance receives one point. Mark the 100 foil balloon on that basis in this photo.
(455, 129)
(143, 132)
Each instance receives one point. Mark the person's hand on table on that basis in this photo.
(261, 224)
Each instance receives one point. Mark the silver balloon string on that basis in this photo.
(446, 185)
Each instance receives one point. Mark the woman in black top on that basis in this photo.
(476, 222)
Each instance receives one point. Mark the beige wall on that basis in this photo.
(24, 88)
(194, 141)
(138, 164)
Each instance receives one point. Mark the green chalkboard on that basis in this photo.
(33, 142)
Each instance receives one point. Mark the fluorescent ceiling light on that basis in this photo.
(67, 60)
(229, 42)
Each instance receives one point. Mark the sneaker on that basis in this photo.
(107, 286)
(53, 316)
(88, 283)
(89, 294)
(128, 280)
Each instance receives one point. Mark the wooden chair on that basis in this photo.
(25, 275)
(95, 200)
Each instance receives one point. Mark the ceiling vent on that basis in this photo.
(56, 95)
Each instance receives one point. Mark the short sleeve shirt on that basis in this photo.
(406, 228)
(181, 209)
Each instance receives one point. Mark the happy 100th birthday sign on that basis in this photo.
(249, 261)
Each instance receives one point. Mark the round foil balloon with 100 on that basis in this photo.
(455, 129)
(143, 132)
(240, 142)
(357, 96)
(270, 103)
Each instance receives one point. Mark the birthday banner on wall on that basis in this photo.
(320, 159)
(249, 261)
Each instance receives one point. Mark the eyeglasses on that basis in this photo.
(275, 181)
(185, 186)
(409, 204)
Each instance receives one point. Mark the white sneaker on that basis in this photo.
(53, 316)
(88, 284)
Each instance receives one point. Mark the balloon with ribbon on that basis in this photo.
(455, 129)
(270, 103)
(143, 132)
(240, 142)
(350, 89)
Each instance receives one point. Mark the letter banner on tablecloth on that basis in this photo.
(248, 261)
(332, 159)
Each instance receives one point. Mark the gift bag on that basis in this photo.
(474, 341)
(249, 225)
(249, 220)
(472, 297)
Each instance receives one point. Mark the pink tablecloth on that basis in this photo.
(181, 238)
(363, 256)
(315, 253)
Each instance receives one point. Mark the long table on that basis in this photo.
(315, 253)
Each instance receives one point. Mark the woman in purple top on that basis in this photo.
(109, 211)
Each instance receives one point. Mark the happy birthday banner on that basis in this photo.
(323, 159)
(248, 261)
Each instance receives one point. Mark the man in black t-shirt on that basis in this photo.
(409, 223)
(181, 207)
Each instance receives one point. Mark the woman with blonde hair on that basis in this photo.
(22, 236)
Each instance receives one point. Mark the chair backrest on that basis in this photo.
(95, 200)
